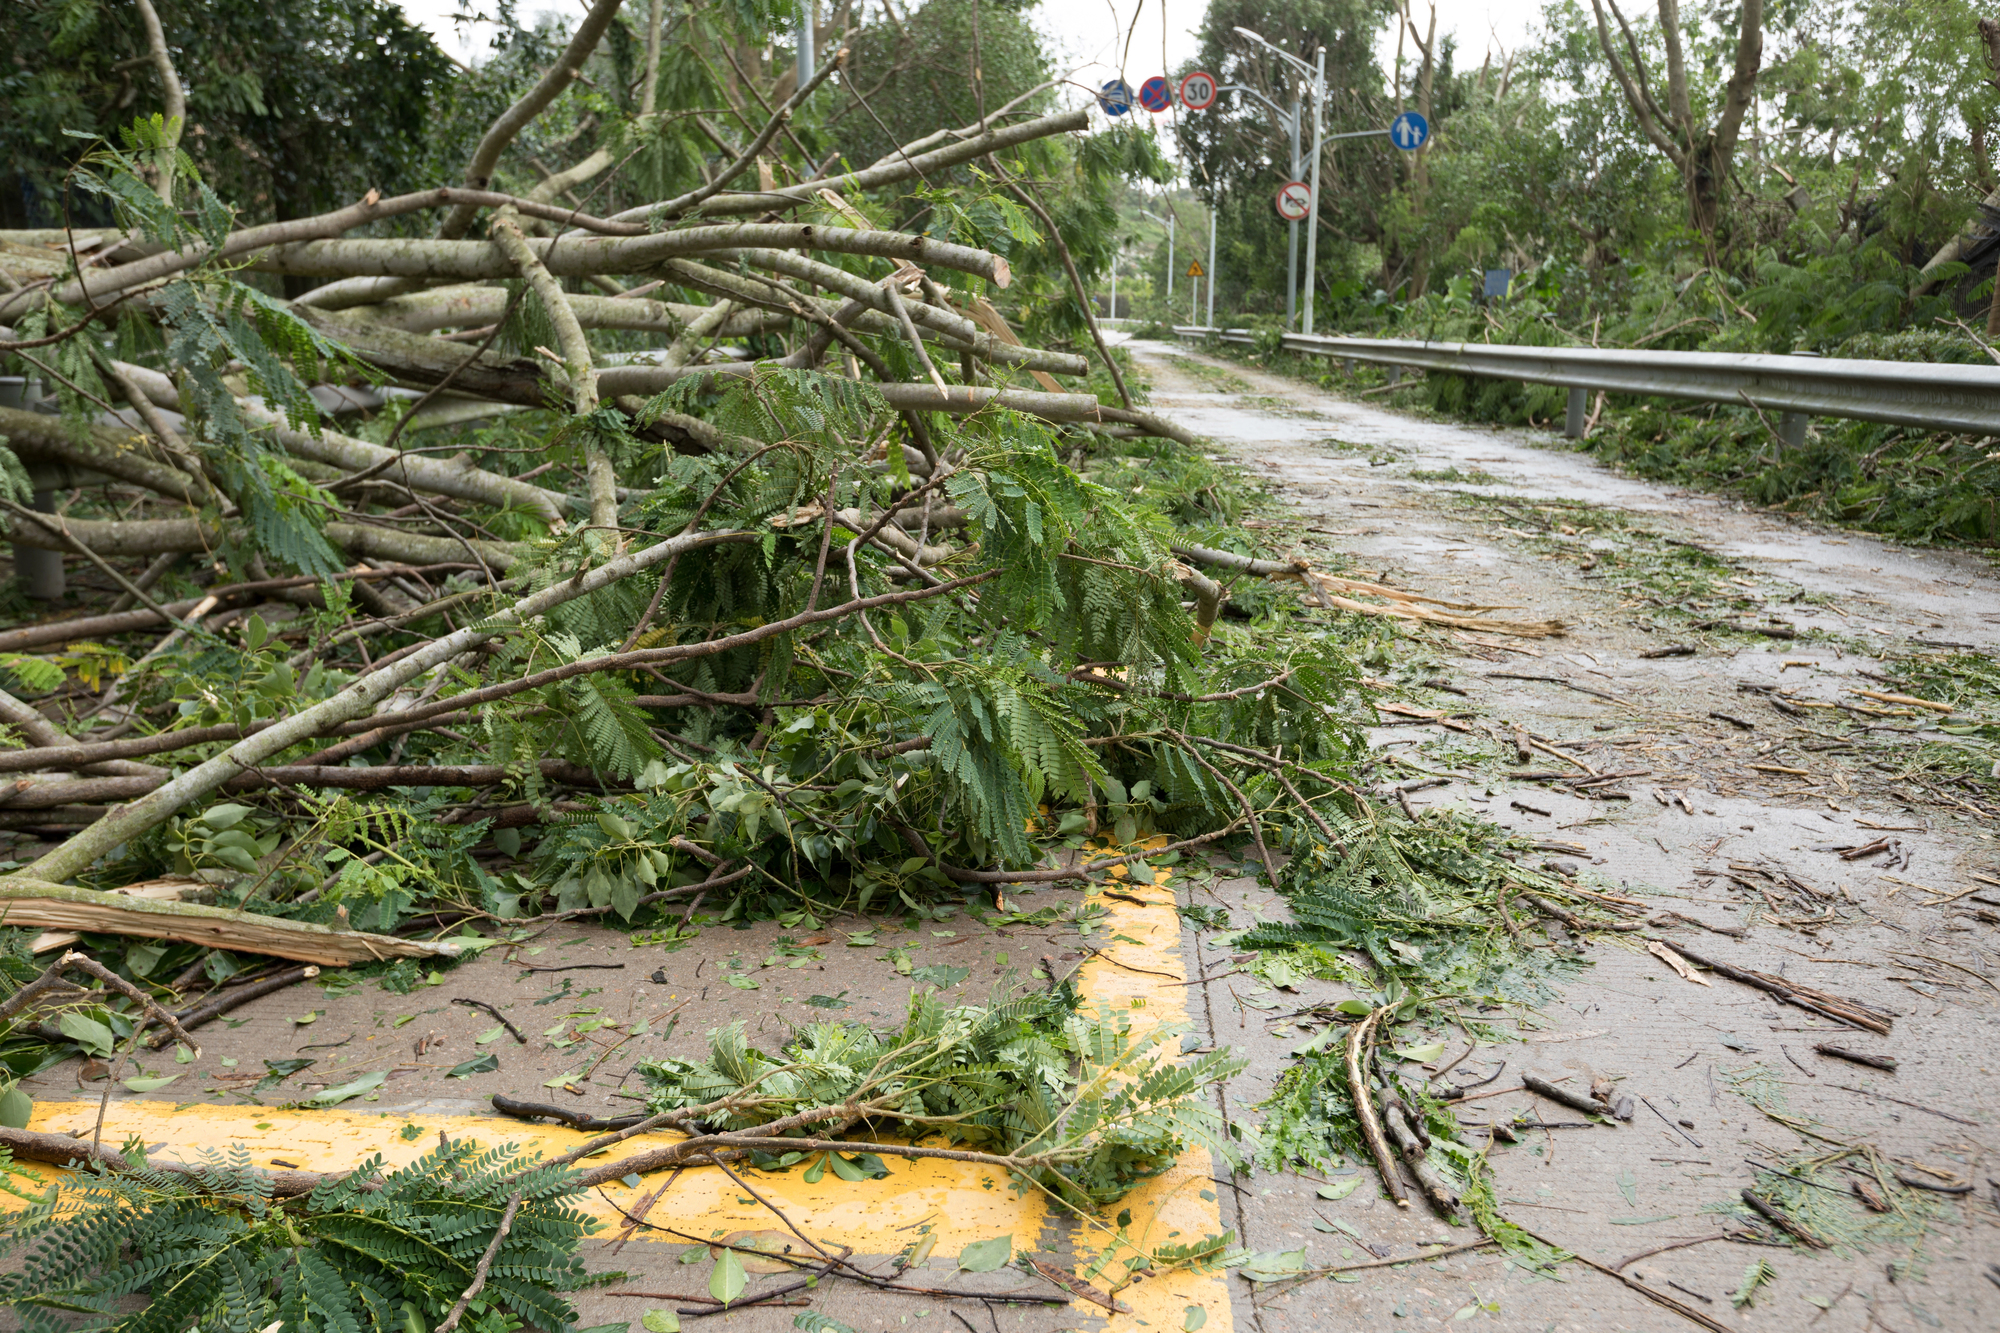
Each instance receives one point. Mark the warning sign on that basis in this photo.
(1195, 270)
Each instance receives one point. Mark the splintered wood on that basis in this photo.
(1328, 591)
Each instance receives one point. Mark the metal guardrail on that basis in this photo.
(1961, 399)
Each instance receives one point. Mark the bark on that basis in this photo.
(577, 364)
(553, 83)
(357, 700)
(157, 536)
(693, 200)
(419, 472)
(42, 735)
(28, 901)
(173, 98)
(957, 400)
(1703, 153)
(101, 284)
(474, 307)
(958, 332)
(109, 450)
(576, 257)
(889, 171)
(28, 795)
(420, 360)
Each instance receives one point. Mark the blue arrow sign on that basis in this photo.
(1115, 97)
(1409, 131)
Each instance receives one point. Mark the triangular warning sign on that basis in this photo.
(1195, 270)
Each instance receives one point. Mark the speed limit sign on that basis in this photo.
(1294, 201)
(1198, 91)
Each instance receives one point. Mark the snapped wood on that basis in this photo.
(33, 902)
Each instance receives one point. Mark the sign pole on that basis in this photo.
(1312, 223)
(1292, 253)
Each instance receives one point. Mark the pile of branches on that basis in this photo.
(831, 597)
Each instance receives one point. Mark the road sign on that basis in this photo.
(1155, 94)
(1409, 131)
(1195, 270)
(1115, 97)
(1295, 201)
(1198, 91)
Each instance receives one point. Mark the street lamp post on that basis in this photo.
(1318, 73)
(1291, 123)
(1169, 220)
(1211, 265)
(1292, 247)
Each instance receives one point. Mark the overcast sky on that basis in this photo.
(1092, 34)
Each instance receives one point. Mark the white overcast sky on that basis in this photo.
(1091, 34)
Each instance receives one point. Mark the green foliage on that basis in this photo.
(1086, 1106)
(379, 1251)
(300, 107)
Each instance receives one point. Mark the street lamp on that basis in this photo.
(1290, 120)
(1318, 73)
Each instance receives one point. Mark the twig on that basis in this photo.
(1670, 1245)
(485, 1265)
(1680, 1308)
(504, 1021)
(1364, 1107)
(1027, 196)
(211, 1009)
(137, 996)
(1776, 1217)
(1914, 1106)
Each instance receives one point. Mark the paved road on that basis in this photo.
(1557, 537)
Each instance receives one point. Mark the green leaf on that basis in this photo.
(491, 1034)
(813, 1174)
(478, 1064)
(1193, 1318)
(725, 1281)
(220, 817)
(660, 1321)
(1340, 1189)
(16, 1107)
(845, 1169)
(1417, 1055)
(742, 982)
(812, 1321)
(150, 1082)
(827, 1001)
(986, 1255)
(1274, 1265)
(335, 1096)
(88, 1033)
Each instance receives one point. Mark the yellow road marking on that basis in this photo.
(962, 1203)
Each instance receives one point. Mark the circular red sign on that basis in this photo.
(1198, 91)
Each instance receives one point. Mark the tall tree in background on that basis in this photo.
(1699, 140)
(293, 106)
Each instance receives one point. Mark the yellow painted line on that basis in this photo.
(962, 1203)
(1170, 1208)
(953, 1196)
